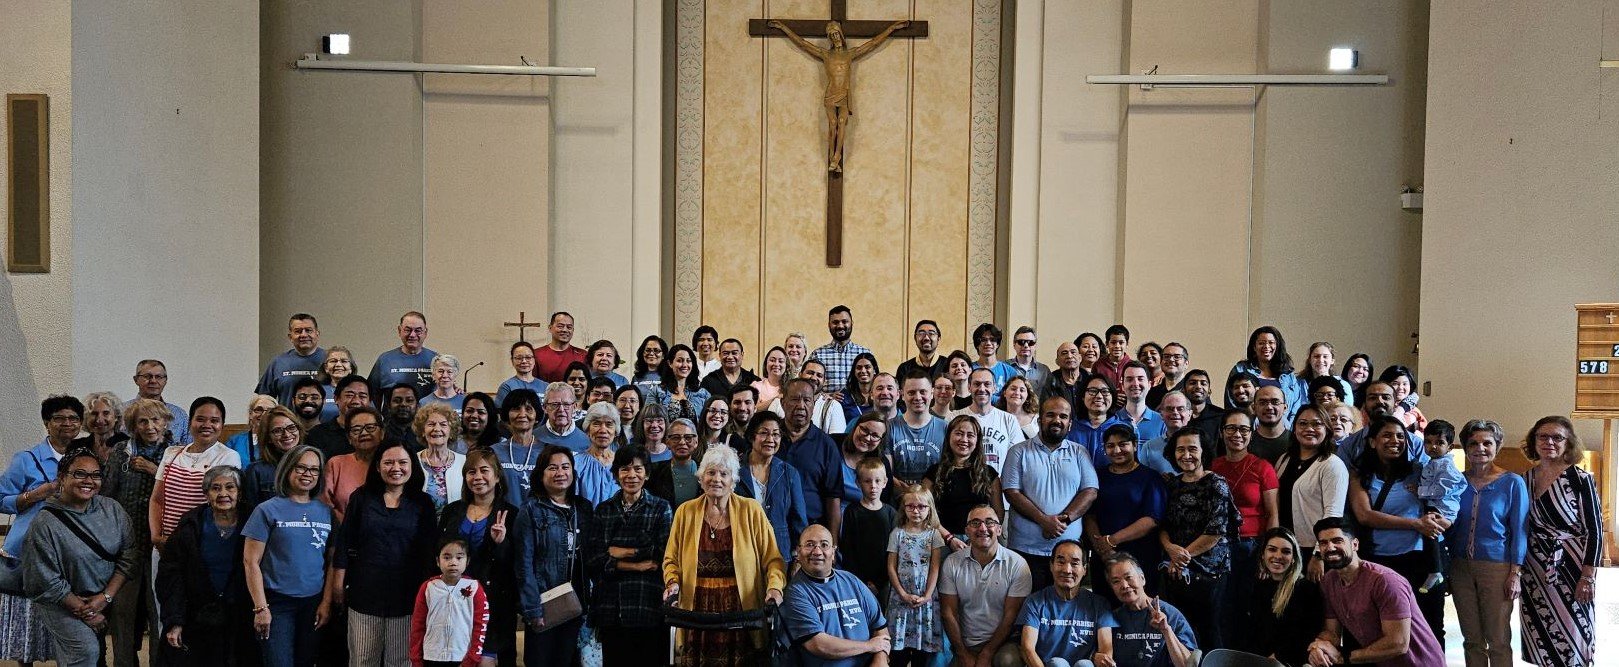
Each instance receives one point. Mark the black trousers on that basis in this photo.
(1200, 599)
(1414, 567)
(634, 647)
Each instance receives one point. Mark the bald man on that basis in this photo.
(831, 617)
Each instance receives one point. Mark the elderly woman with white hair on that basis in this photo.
(721, 557)
(246, 443)
(200, 581)
(103, 414)
(593, 467)
(445, 368)
(436, 426)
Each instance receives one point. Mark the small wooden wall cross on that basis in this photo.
(522, 325)
(800, 28)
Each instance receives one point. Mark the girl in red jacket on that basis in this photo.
(451, 615)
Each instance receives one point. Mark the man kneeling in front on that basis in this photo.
(831, 618)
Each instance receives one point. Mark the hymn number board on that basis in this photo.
(1596, 380)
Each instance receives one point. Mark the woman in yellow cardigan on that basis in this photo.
(722, 557)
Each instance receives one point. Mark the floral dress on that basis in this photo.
(914, 628)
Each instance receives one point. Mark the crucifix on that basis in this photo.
(522, 325)
(838, 60)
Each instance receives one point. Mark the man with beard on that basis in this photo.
(1379, 402)
(1271, 436)
(981, 593)
(999, 426)
(1050, 482)
(353, 391)
(410, 364)
(813, 454)
(827, 413)
(1173, 364)
(1064, 622)
(926, 361)
(302, 361)
(831, 618)
(308, 399)
(913, 440)
(1373, 603)
(743, 401)
(1205, 414)
(399, 411)
(1240, 392)
(838, 355)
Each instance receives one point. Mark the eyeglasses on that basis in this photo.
(306, 470)
(82, 475)
(716, 411)
(66, 419)
(1097, 391)
(1309, 423)
(557, 405)
(1235, 429)
(914, 507)
(1177, 357)
(682, 437)
(1272, 402)
(1551, 438)
(413, 330)
(148, 377)
(927, 334)
(364, 429)
(983, 523)
(284, 430)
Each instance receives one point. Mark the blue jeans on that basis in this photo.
(293, 637)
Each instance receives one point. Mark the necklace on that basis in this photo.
(528, 458)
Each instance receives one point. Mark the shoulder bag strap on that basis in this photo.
(79, 531)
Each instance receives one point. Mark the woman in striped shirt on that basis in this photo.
(180, 472)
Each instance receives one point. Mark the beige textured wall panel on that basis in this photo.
(1188, 184)
(731, 169)
(941, 91)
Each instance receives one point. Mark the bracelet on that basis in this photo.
(259, 609)
(1589, 580)
(1109, 540)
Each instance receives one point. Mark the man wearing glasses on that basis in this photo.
(926, 361)
(151, 378)
(981, 590)
(1173, 363)
(332, 437)
(409, 364)
(1024, 343)
(559, 427)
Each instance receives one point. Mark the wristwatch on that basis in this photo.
(108, 596)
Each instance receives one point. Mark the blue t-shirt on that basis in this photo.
(841, 607)
(1137, 644)
(285, 370)
(518, 462)
(1123, 499)
(394, 367)
(913, 450)
(513, 383)
(455, 402)
(592, 480)
(1067, 627)
(576, 441)
(1152, 424)
(295, 536)
(1090, 437)
(1402, 502)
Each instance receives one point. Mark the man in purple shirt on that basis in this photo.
(1373, 603)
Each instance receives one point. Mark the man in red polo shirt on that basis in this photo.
(551, 361)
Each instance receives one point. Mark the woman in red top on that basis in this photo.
(1253, 488)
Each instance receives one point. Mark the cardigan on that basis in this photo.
(753, 551)
(1319, 492)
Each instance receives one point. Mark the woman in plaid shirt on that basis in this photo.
(625, 557)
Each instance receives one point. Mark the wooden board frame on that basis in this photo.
(42, 177)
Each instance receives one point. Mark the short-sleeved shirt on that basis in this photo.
(295, 536)
(818, 460)
(839, 606)
(983, 589)
(1137, 644)
(1090, 436)
(1380, 594)
(913, 450)
(1270, 449)
(396, 367)
(1067, 628)
(514, 383)
(1249, 479)
(1001, 431)
(1151, 426)
(1402, 501)
(1123, 499)
(1201, 508)
(1049, 477)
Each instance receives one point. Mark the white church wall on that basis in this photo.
(1521, 214)
(166, 195)
(1200, 214)
(36, 327)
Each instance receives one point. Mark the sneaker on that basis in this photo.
(1433, 581)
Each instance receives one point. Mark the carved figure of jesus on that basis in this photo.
(838, 59)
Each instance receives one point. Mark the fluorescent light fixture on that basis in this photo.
(336, 44)
(1341, 59)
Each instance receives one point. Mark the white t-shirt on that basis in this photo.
(217, 455)
(1001, 431)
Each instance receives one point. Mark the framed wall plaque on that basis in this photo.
(28, 184)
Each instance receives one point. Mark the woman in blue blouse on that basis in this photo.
(1382, 493)
(1130, 500)
(1270, 365)
(771, 481)
(1487, 548)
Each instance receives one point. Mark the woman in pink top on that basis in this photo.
(1253, 488)
(346, 472)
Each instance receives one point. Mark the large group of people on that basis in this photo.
(1105, 510)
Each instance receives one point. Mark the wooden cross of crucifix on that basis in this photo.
(838, 59)
(523, 324)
